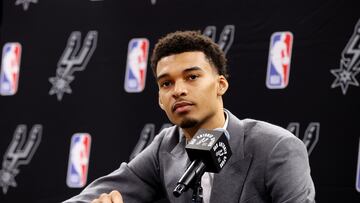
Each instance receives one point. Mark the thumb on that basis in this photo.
(116, 197)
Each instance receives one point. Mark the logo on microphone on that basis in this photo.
(278, 69)
(205, 139)
(349, 63)
(74, 58)
(78, 160)
(220, 152)
(136, 65)
(19, 152)
(10, 68)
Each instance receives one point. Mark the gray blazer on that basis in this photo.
(269, 164)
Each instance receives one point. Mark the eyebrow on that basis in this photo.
(194, 68)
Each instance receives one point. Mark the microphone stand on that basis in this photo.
(197, 196)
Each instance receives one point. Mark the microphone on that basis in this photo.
(209, 151)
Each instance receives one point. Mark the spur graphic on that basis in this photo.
(349, 63)
(226, 38)
(74, 58)
(19, 152)
(25, 3)
(311, 135)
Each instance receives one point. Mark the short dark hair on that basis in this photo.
(183, 41)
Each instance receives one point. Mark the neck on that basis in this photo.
(189, 132)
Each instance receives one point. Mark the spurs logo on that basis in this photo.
(19, 152)
(349, 63)
(311, 135)
(226, 37)
(73, 59)
(25, 3)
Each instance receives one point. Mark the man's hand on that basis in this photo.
(113, 197)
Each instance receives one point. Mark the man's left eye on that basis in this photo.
(193, 77)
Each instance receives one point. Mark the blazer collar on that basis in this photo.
(236, 131)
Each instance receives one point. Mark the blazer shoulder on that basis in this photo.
(263, 136)
(261, 129)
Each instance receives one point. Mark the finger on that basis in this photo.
(95, 201)
(105, 198)
(116, 197)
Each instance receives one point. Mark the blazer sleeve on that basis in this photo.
(287, 174)
(137, 181)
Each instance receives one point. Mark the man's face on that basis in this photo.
(190, 89)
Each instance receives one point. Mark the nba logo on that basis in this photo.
(136, 65)
(278, 69)
(10, 68)
(78, 160)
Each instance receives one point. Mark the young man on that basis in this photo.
(268, 164)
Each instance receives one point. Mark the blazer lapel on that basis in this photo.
(176, 162)
(228, 184)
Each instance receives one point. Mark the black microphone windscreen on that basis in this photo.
(211, 147)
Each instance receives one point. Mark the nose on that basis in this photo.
(180, 90)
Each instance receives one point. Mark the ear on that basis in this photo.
(161, 104)
(223, 85)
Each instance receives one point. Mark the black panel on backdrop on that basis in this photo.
(72, 80)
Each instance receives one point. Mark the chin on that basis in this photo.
(188, 123)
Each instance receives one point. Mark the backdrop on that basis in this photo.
(77, 91)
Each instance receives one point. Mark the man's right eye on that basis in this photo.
(165, 84)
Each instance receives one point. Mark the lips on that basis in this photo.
(181, 106)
